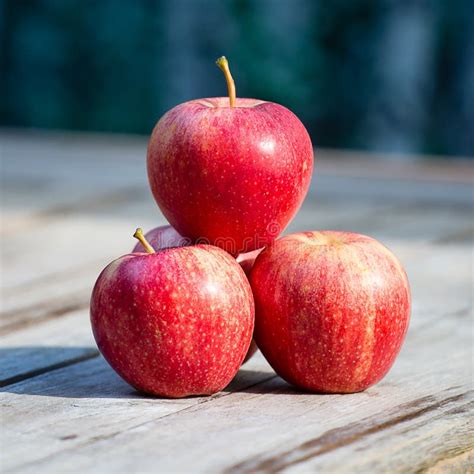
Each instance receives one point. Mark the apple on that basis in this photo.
(163, 237)
(174, 323)
(166, 236)
(331, 309)
(246, 260)
(233, 171)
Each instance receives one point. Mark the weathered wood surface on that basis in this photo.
(70, 204)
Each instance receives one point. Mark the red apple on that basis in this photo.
(230, 170)
(331, 309)
(166, 236)
(163, 237)
(174, 323)
(246, 260)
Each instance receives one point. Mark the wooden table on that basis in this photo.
(70, 205)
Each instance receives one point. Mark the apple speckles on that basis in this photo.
(229, 173)
(162, 337)
(337, 312)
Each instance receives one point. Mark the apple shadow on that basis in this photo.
(81, 372)
(272, 384)
(259, 382)
(66, 372)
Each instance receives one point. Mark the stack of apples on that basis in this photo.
(180, 314)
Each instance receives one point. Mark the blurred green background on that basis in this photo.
(391, 76)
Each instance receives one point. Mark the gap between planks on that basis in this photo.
(50, 368)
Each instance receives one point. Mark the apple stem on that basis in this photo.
(224, 67)
(139, 235)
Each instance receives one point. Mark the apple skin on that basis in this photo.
(246, 260)
(331, 309)
(174, 323)
(233, 176)
(166, 236)
(163, 237)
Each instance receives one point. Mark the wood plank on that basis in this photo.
(399, 167)
(90, 403)
(422, 422)
(387, 221)
(414, 376)
(458, 463)
(25, 207)
(58, 247)
(48, 297)
(419, 398)
(40, 348)
(347, 188)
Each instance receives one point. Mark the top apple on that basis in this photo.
(229, 171)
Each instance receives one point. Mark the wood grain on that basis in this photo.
(71, 202)
(409, 397)
(292, 428)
